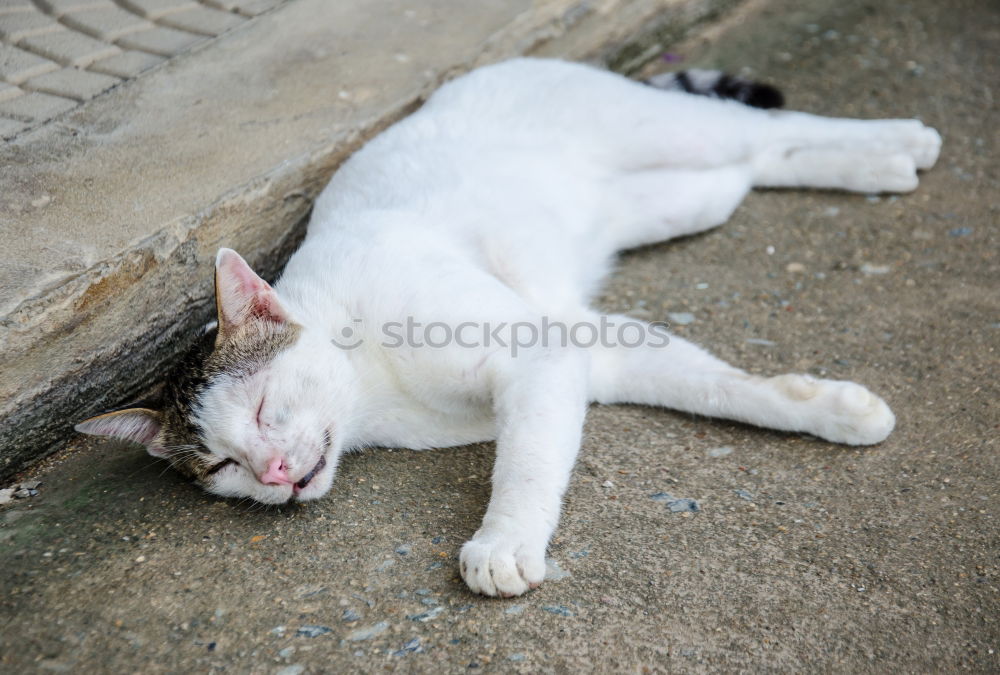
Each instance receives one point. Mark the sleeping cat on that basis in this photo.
(439, 295)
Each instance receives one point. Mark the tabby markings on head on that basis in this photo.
(246, 338)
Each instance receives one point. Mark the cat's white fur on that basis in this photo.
(505, 199)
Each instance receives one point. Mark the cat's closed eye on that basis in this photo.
(260, 408)
(220, 466)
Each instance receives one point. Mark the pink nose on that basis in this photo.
(277, 473)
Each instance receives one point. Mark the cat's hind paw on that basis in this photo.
(859, 416)
(920, 143)
(883, 173)
(496, 564)
(925, 147)
(842, 412)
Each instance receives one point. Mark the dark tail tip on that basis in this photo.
(717, 84)
(765, 96)
(754, 94)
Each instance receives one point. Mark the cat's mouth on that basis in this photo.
(304, 481)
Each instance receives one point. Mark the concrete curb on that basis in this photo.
(113, 211)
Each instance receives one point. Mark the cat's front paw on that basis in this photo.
(501, 563)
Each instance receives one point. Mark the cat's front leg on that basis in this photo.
(540, 401)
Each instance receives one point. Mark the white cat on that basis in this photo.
(445, 264)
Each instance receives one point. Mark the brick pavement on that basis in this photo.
(56, 54)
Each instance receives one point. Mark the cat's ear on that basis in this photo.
(241, 295)
(139, 425)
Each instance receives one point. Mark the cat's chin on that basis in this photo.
(310, 493)
(319, 485)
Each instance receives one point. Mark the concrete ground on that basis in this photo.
(805, 556)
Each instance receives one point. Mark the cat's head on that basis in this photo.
(257, 409)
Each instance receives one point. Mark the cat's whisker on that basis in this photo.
(147, 466)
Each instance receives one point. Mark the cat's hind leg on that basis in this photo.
(627, 127)
(803, 150)
(659, 204)
(641, 128)
(682, 376)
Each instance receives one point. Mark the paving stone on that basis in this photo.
(35, 107)
(127, 64)
(154, 9)
(10, 128)
(72, 83)
(246, 7)
(203, 20)
(254, 7)
(9, 6)
(60, 7)
(9, 91)
(224, 5)
(17, 65)
(162, 41)
(69, 48)
(108, 23)
(16, 25)
(45, 44)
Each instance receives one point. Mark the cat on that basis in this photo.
(483, 222)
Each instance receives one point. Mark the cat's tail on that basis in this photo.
(717, 84)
